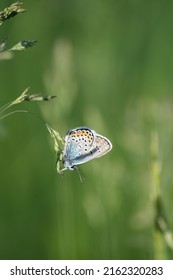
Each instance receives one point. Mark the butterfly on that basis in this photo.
(83, 144)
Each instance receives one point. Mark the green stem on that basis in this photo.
(162, 235)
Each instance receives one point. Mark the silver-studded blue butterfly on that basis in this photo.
(83, 144)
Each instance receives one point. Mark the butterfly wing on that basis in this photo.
(78, 143)
(83, 144)
(102, 145)
(99, 147)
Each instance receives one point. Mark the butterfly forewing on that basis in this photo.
(103, 146)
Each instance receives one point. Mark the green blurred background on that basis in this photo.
(110, 63)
